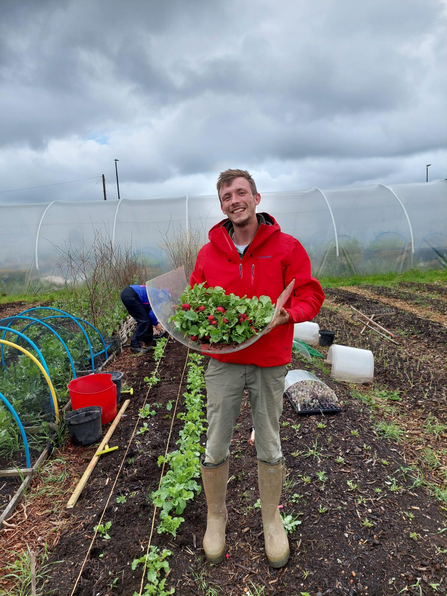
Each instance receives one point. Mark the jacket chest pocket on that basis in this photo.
(267, 271)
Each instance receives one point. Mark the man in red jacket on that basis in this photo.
(249, 255)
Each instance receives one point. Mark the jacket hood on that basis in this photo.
(219, 234)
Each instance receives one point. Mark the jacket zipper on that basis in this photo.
(240, 270)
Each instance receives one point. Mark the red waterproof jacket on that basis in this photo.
(270, 263)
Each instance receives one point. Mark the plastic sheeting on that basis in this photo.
(345, 231)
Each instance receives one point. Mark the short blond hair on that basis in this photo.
(227, 177)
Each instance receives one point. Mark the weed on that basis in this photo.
(201, 582)
(290, 523)
(321, 475)
(255, 590)
(430, 458)
(352, 485)
(339, 460)
(389, 395)
(392, 484)
(389, 430)
(418, 479)
(367, 523)
(313, 451)
(417, 585)
(121, 499)
(355, 433)
(20, 571)
(433, 427)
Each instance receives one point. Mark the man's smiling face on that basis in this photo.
(238, 203)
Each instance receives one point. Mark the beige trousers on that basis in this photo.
(225, 384)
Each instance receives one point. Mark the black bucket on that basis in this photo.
(326, 337)
(117, 378)
(84, 425)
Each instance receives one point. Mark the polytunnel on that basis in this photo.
(362, 230)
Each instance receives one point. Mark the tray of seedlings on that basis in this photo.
(309, 395)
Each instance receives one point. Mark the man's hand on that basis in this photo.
(159, 328)
(281, 318)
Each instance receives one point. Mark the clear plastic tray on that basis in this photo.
(309, 395)
(164, 296)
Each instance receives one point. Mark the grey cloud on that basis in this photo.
(176, 89)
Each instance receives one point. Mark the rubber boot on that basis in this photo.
(270, 478)
(215, 485)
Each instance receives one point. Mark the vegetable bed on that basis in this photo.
(365, 497)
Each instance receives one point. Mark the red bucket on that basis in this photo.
(94, 390)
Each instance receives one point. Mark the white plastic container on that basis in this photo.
(308, 332)
(351, 364)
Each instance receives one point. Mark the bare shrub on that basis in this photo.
(182, 247)
(95, 274)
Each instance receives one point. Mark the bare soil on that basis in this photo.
(372, 507)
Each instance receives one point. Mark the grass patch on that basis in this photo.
(386, 279)
(389, 430)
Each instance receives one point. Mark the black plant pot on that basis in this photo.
(326, 337)
(84, 425)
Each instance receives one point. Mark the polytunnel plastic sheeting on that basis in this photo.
(72, 227)
(305, 215)
(18, 228)
(374, 225)
(374, 234)
(426, 205)
(204, 212)
(146, 226)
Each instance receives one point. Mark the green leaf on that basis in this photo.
(191, 315)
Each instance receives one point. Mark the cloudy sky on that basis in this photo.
(326, 93)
